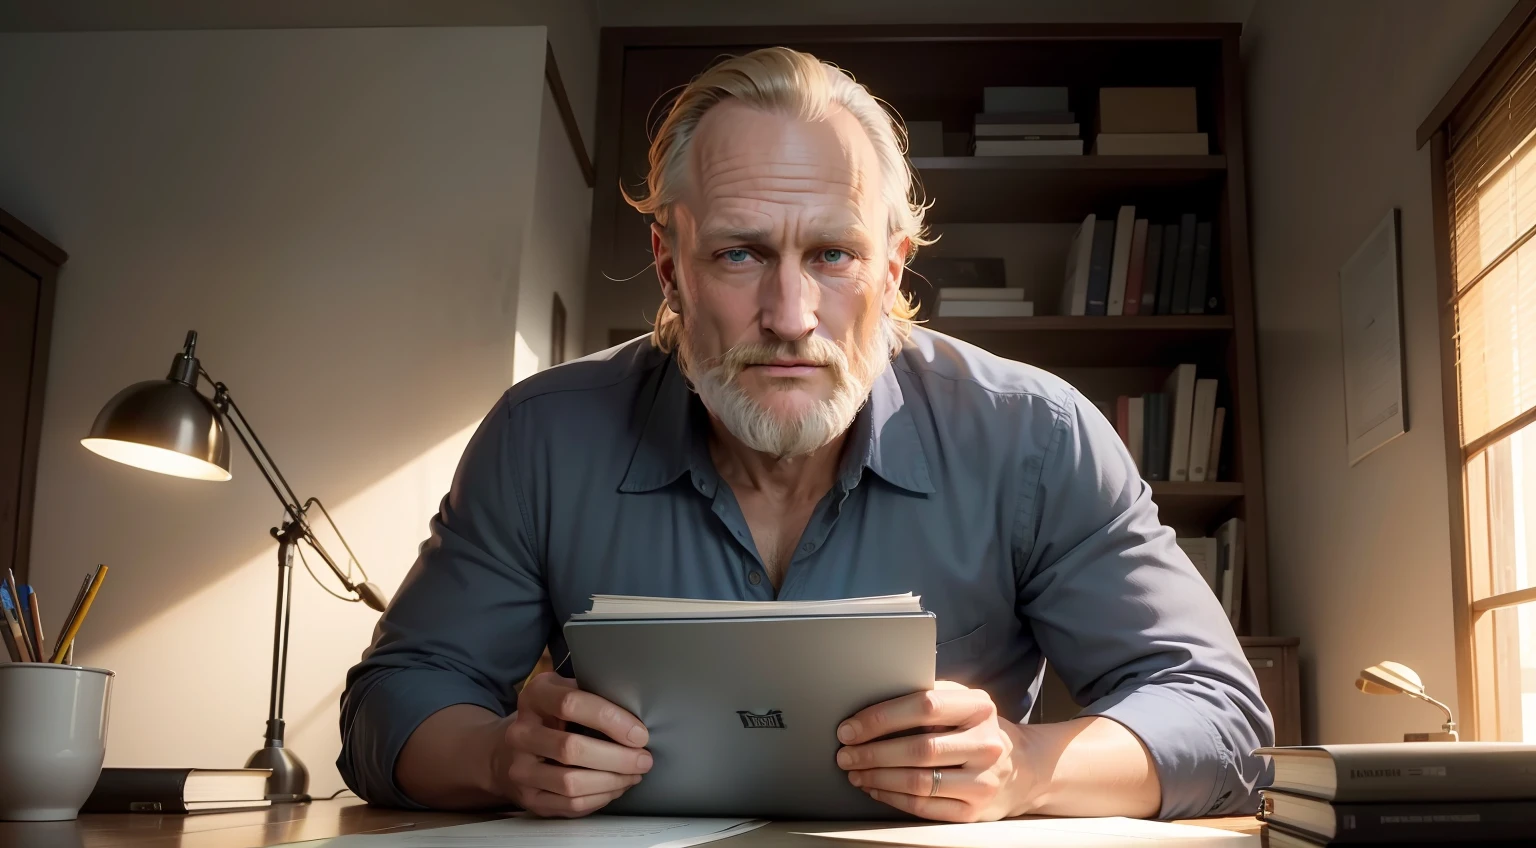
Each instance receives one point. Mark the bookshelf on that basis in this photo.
(937, 73)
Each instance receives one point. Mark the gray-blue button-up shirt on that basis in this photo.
(992, 489)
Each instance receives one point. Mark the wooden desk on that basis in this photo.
(322, 819)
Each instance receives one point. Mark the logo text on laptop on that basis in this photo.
(772, 718)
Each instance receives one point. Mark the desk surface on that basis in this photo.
(322, 819)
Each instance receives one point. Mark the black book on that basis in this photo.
(1202, 270)
(1154, 451)
(1166, 272)
(1149, 270)
(1351, 824)
(178, 790)
(1099, 266)
(1184, 266)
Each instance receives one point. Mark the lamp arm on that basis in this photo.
(1450, 720)
(225, 404)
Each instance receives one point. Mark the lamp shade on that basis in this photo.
(165, 426)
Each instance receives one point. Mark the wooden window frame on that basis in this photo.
(1510, 47)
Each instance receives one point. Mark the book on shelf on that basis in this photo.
(1074, 291)
(1167, 270)
(1230, 567)
(1149, 272)
(985, 308)
(1147, 109)
(1155, 444)
(1006, 131)
(1323, 822)
(1023, 98)
(1120, 262)
(1151, 144)
(1399, 772)
(1134, 274)
(1200, 426)
(1180, 389)
(1122, 419)
(1136, 411)
(1099, 266)
(1028, 118)
(1201, 273)
(1184, 266)
(1218, 428)
(1029, 147)
(1203, 554)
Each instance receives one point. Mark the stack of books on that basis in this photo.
(1174, 434)
(1131, 266)
(1451, 793)
(1149, 122)
(1220, 560)
(1026, 121)
(178, 790)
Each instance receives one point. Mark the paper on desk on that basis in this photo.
(1051, 833)
(528, 832)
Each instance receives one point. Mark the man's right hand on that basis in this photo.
(549, 771)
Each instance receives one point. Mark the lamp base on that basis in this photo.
(289, 783)
(1437, 736)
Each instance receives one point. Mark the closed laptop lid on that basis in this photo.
(743, 713)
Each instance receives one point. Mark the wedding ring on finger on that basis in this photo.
(933, 788)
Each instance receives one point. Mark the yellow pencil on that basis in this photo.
(62, 648)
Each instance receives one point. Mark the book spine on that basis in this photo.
(1184, 266)
(1156, 447)
(1150, 270)
(1098, 271)
(1200, 428)
(1456, 822)
(1168, 269)
(1202, 269)
(1181, 393)
(1120, 268)
(1136, 429)
(1475, 779)
(1134, 276)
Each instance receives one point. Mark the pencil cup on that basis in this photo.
(53, 735)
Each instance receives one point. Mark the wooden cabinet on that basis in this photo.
(1274, 664)
(29, 265)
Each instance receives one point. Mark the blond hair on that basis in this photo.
(779, 79)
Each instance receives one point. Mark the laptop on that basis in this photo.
(743, 707)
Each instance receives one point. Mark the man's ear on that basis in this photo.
(896, 266)
(666, 266)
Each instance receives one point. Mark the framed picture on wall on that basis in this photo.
(557, 332)
(1375, 411)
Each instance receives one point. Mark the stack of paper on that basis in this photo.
(629, 607)
(1051, 833)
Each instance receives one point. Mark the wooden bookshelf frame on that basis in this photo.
(1059, 189)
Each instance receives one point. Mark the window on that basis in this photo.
(1484, 160)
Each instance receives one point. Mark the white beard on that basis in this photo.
(765, 431)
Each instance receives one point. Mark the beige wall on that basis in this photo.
(1359, 564)
(341, 214)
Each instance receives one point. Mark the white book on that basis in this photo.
(1030, 147)
(1013, 130)
(1152, 144)
(637, 607)
(981, 293)
(985, 309)
(1230, 579)
(1203, 553)
(1181, 393)
(1125, 230)
(1135, 431)
(1200, 430)
(1074, 292)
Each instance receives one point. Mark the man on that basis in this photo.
(786, 432)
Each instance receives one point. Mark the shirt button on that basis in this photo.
(755, 578)
(807, 547)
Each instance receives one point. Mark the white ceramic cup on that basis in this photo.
(53, 737)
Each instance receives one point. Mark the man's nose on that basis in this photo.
(789, 302)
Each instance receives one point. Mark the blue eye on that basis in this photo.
(737, 255)
(833, 255)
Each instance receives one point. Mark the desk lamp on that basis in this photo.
(170, 427)
(1391, 678)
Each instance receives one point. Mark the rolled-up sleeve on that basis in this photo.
(1129, 624)
(465, 627)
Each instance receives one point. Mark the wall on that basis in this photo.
(1359, 564)
(341, 214)
(555, 260)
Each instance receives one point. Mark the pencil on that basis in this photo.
(21, 617)
(37, 625)
(75, 607)
(85, 608)
(13, 624)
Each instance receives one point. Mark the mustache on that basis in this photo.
(812, 349)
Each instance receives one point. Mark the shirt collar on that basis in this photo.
(673, 439)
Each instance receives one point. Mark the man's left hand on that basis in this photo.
(974, 754)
